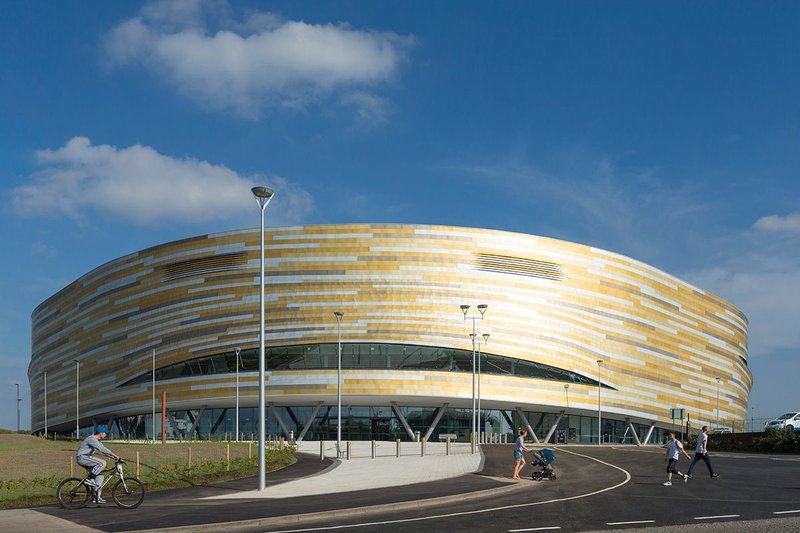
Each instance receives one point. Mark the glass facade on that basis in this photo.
(376, 423)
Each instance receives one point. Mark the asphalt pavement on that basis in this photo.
(600, 488)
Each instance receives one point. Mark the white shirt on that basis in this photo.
(674, 448)
(701, 440)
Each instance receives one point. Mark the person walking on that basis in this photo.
(519, 447)
(701, 454)
(674, 449)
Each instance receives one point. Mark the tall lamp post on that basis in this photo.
(599, 412)
(238, 351)
(338, 315)
(77, 398)
(717, 402)
(484, 342)
(45, 403)
(154, 395)
(18, 400)
(566, 392)
(263, 196)
(465, 309)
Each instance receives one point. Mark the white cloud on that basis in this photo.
(256, 63)
(789, 223)
(142, 186)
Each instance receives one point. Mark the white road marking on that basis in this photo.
(630, 522)
(787, 512)
(478, 511)
(718, 516)
(535, 529)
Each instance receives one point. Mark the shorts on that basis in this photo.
(672, 466)
(518, 455)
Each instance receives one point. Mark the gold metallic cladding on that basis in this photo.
(396, 283)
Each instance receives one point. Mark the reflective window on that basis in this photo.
(360, 356)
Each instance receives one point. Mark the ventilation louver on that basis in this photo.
(520, 266)
(204, 265)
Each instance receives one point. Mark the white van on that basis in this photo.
(788, 421)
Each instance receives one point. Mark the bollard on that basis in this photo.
(249, 450)
(422, 447)
(137, 464)
(190, 459)
(322, 450)
(447, 447)
(373, 449)
(72, 466)
(398, 447)
(348, 450)
(228, 458)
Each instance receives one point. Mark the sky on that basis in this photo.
(665, 131)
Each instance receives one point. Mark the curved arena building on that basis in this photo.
(577, 343)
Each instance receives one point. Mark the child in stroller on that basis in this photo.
(543, 458)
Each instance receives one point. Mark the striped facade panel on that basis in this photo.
(664, 343)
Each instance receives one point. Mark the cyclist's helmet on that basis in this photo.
(101, 429)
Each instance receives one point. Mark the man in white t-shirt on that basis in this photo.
(674, 449)
(701, 454)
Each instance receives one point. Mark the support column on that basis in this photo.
(309, 422)
(553, 428)
(402, 420)
(436, 419)
(649, 432)
(279, 419)
(527, 425)
(633, 432)
(196, 421)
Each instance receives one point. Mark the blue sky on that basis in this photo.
(668, 132)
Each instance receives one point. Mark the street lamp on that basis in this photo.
(45, 403)
(238, 351)
(566, 391)
(485, 341)
(599, 412)
(18, 400)
(77, 398)
(154, 395)
(338, 315)
(263, 196)
(464, 309)
(717, 402)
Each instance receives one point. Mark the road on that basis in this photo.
(598, 489)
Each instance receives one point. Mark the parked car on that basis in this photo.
(788, 421)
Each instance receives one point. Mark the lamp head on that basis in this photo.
(464, 309)
(482, 308)
(485, 337)
(262, 192)
(599, 361)
(338, 314)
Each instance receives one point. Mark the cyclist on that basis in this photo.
(95, 465)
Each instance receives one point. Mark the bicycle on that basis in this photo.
(127, 492)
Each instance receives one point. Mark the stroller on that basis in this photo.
(543, 458)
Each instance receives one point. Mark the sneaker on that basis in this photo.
(668, 483)
(714, 475)
(690, 476)
(686, 478)
(99, 500)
